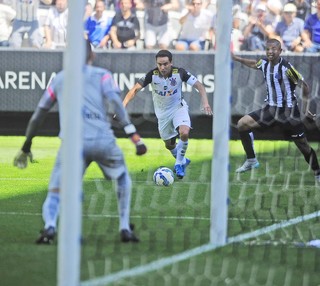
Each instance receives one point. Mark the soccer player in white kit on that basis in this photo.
(171, 109)
(99, 144)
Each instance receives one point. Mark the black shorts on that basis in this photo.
(288, 119)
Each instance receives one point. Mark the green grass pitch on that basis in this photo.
(168, 220)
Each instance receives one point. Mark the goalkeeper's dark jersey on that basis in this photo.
(281, 81)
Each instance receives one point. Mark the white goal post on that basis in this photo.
(69, 235)
(221, 125)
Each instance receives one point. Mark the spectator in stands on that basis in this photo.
(115, 5)
(257, 31)
(236, 35)
(7, 15)
(55, 27)
(157, 30)
(26, 22)
(289, 30)
(197, 26)
(273, 9)
(98, 25)
(311, 34)
(303, 8)
(125, 27)
(88, 10)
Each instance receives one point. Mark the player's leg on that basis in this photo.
(295, 128)
(51, 205)
(309, 154)
(111, 162)
(182, 122)
(245, 125)
(124, 199)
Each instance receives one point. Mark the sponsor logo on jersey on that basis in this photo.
(166, 93)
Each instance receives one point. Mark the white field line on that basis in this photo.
(163, 262)
(137, 217)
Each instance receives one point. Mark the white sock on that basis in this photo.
(124, 198)
(174, 152)
(50, 209)
(181, 151)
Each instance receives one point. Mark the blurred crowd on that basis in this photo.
(153, 24)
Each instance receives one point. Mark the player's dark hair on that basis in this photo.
(274, 41)
(164, 53)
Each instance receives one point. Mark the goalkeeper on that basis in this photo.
(99, 144)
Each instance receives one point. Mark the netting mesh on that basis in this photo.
(281, 195)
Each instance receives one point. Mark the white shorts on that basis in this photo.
(168, 126)
(157, 34)
(108, 156)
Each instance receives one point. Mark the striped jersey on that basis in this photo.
(100, 92)
(167, 92)
(27, 10)
(281, 81)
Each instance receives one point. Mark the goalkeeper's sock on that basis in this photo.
(182, 147)
(124, 198)
(50, 209)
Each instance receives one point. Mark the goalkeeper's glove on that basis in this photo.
(141, 148)
(21, 159)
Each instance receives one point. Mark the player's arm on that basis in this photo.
(47, 100)
(112, 94)
(21, 159)
(305, 103)
(131, 93)
(204, 99)
(295, 77)
(247, 62)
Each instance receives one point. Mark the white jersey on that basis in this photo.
(7, 14)
(57, 22)
(99, 89)
(167, 92)
(197, 27)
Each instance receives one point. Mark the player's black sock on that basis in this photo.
(247, 144)
(312, 160)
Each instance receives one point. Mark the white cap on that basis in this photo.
(261, 7)
(289, 7)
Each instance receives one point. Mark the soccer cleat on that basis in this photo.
(46, 236)
(317, 178)
(179, 170)
(248, 166)
(128, 235)
(186, 164)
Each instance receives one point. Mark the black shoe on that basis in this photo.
(128, 235)
(46, 236)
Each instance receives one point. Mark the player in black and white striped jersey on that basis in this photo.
(26, 22)
(281, 107)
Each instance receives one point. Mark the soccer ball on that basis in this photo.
(163, 176)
